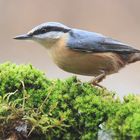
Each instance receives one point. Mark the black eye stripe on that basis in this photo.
(44, 30)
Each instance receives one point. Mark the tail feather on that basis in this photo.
(134, 57)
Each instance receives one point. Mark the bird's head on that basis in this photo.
(46, 33)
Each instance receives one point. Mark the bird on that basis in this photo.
(82, 52)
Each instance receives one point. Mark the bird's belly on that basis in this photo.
(90, 64)
(84, 63)
(82, 66)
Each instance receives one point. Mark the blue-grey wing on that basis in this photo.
(81, 40)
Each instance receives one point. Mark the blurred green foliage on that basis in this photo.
(34, 106)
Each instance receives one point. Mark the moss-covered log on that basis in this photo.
(35, 107)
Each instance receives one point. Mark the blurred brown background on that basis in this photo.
(119, 19)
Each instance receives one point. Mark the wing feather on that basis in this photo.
(81, 40)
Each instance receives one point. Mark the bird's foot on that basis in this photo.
(98, 79)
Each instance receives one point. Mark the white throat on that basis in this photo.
(48, 39)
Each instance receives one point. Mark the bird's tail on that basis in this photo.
(134, 57)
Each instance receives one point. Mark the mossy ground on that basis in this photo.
(35, 107)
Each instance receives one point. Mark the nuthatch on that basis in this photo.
(82, 52)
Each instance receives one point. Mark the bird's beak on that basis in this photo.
(23, 37)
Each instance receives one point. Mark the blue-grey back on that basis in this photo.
(86, 41)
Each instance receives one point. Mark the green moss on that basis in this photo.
(125, 123)
(38, 108)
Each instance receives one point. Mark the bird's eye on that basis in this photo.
(42, 31)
